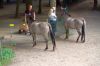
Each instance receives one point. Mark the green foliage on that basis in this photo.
(0, 64)
(6, 54)
(69, 2)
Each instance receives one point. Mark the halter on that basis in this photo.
(65, 11)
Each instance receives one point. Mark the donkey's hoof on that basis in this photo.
(76, 41)
(45, 49)
(34, 45)
(53, 50)
(66, 38)
(83, 41)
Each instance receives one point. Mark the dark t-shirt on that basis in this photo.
(29, 14)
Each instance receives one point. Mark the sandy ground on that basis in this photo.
(68, 53)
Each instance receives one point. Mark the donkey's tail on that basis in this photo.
(83, 28)
(52, 36)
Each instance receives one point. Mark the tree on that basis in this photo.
(53, 3)
(8, 1)
(40, 7)
(49, 2)
(58, 3)
(67, 2)
(64, 3)
(1, 4)
(95, 4)
(17, 8)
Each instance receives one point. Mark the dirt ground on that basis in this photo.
(68, 52)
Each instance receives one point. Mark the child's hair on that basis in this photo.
(27, 7)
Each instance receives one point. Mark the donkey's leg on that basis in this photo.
(84, 38)
(67, 30)
(45, 35)
(79, 34)
(83, 34)
(54, 44)
(82, 31)
(46, 45)
(34, 39)
(53, 39)
(67, 34)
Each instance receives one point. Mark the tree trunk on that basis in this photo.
(24, 1)
(17, 8)
(95, 4)
(40, 7)
(49, 2)
(64, 3)
(8, 1)
(67, 3)
(1, 4)
(53, 3)
(58, 3)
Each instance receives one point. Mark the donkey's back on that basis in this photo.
(39, 27)
(74, 23)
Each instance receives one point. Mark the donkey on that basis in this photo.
(78, 24)
(44, 29)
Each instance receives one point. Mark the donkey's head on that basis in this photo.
(64, 12)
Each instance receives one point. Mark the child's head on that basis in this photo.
(29, 7)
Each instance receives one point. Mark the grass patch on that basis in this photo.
(6, 55)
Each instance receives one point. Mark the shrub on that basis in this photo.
(6, 54)
(0, 63)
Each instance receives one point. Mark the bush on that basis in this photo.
(6, 54)
(0, 64)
